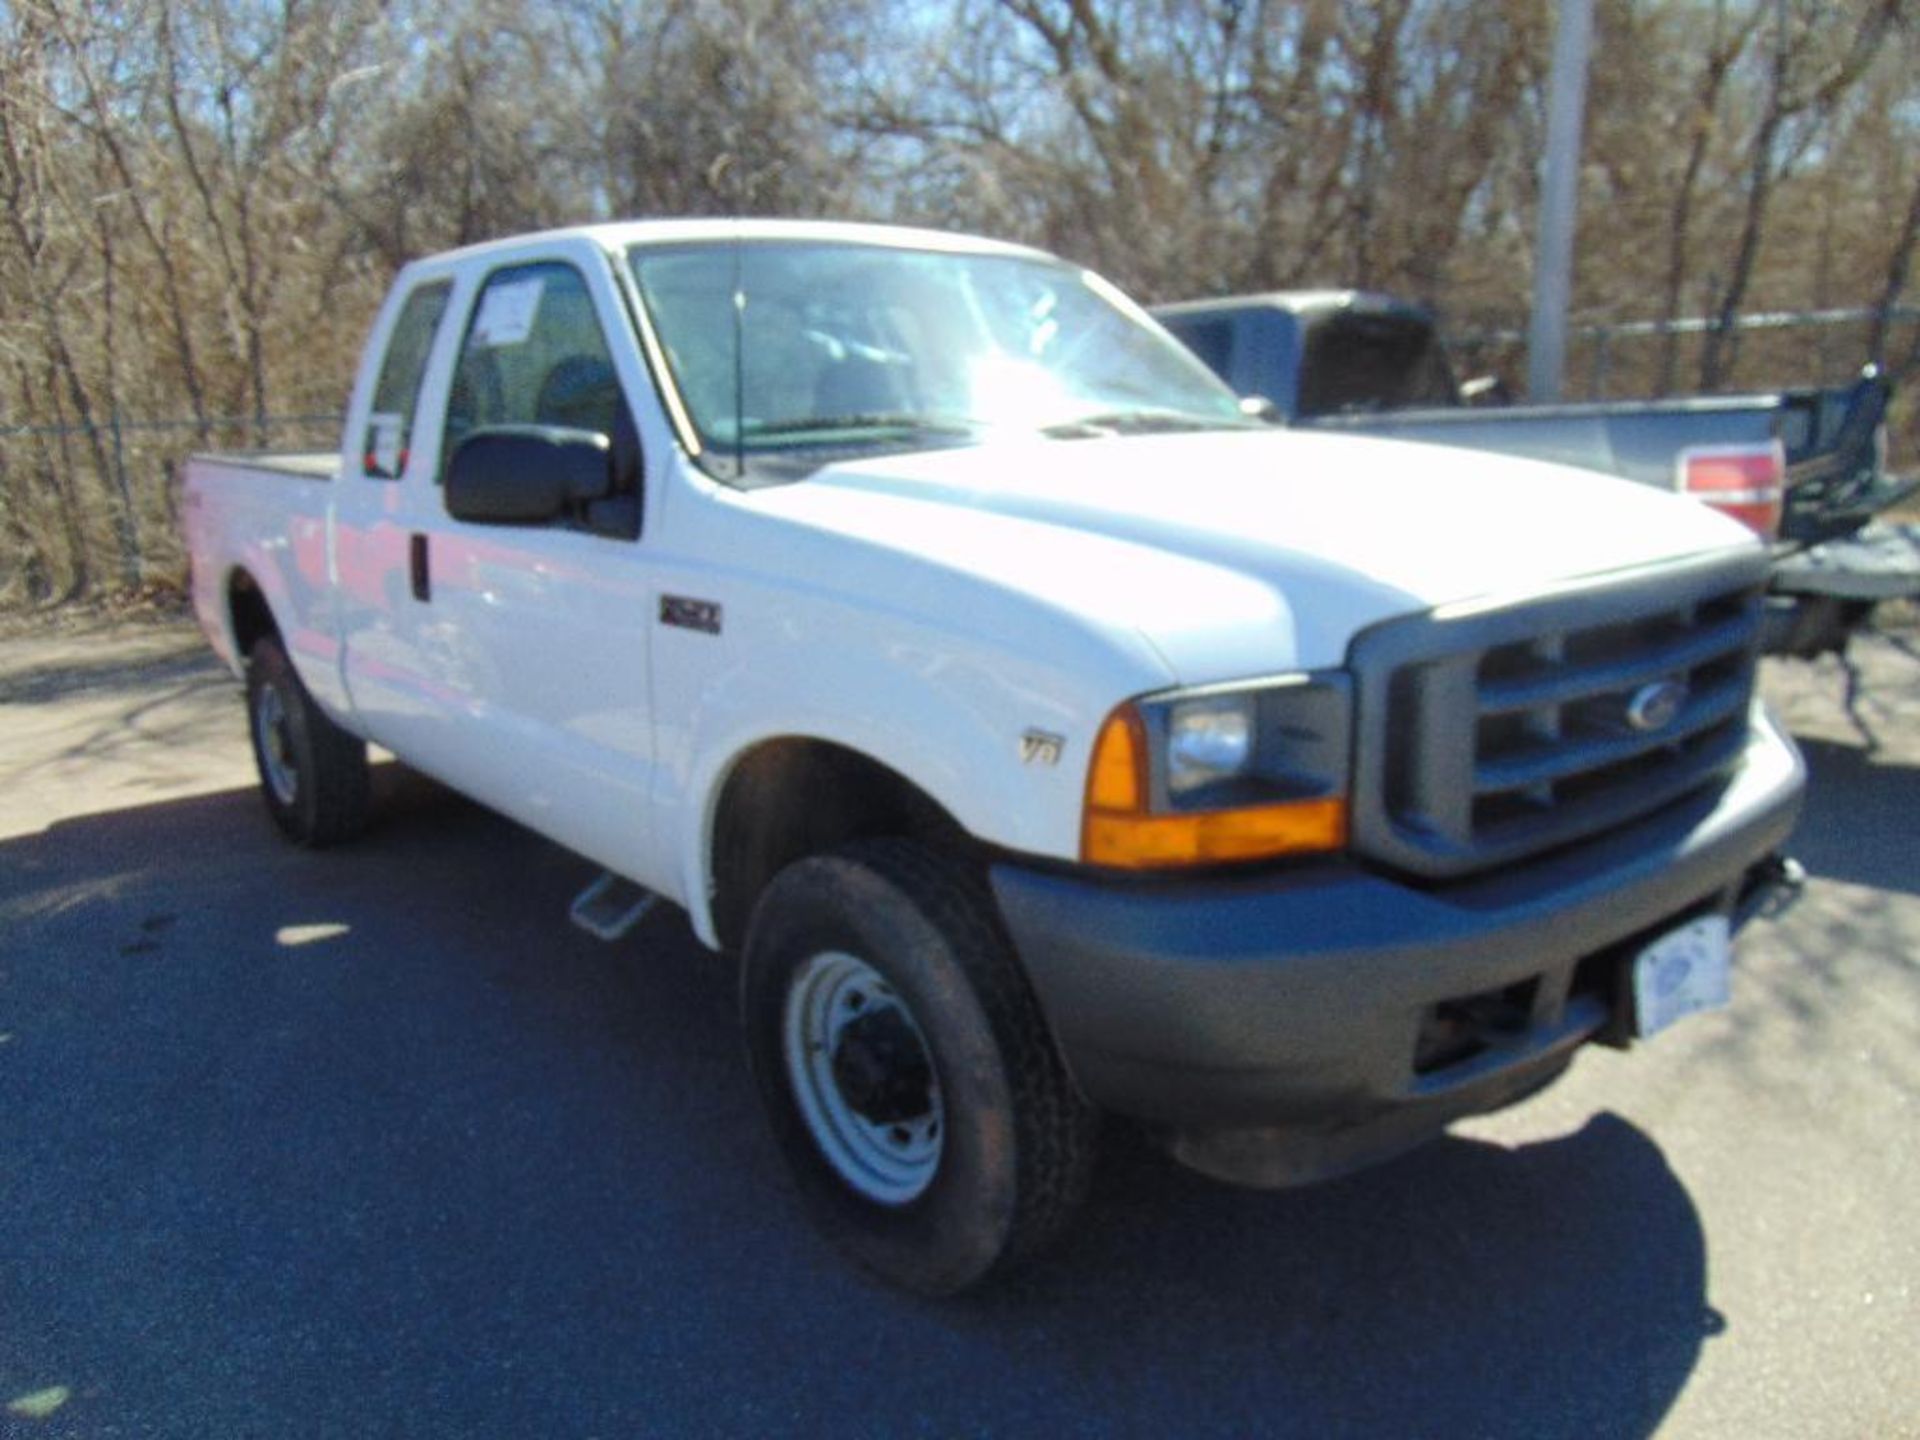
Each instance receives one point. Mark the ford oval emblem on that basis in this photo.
(1656, 706)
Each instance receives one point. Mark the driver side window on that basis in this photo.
(535, 354)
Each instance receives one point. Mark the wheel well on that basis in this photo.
(788, 799)
(248, 612)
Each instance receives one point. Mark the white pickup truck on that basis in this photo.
(1046, 739)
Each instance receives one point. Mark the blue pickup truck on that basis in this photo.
(1804, 467)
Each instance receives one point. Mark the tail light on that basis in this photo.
(1747, 482)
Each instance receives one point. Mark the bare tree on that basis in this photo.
(205, 199)
(1804, 83)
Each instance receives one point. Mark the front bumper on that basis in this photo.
(1281, 1027)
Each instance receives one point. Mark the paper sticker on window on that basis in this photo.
(507, 312)
(383, 456)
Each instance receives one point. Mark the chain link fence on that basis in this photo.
(1634, 359)
(91, 506)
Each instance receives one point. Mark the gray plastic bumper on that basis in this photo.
(1271, 1022)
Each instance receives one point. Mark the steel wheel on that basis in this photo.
(909, 1080)
(313, 774)
(863, 1078)
(275, 741)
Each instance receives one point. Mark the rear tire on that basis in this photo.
(906, 1071)
(313, 774)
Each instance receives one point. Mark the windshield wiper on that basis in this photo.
(1141, 422)
(871, 420)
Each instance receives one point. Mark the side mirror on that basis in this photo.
(1259, 407)
(1485, 390)
(527, 474)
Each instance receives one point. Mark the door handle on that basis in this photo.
(417, 557)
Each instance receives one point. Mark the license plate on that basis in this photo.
(1684, 971)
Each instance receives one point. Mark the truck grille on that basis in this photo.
(1489, 734)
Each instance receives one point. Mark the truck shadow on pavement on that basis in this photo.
(1859, 822)
(371, 1142)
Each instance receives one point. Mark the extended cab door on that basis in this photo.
(385, 471)
(531, 638)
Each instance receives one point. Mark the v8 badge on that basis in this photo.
(1041, 747)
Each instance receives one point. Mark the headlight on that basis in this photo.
(1208, 741)
(1228, 773)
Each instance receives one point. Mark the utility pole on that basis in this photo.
(1559, 197)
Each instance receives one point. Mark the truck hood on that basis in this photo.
(1242, 552)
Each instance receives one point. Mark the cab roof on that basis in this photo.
(618, 235)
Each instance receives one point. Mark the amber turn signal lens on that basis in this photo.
(1117, 780)
(1120, 834)
(1213, 837)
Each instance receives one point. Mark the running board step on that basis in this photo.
(611, 906)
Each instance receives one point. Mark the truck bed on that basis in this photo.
(240, 516)
(300, 464)
(1637, 440)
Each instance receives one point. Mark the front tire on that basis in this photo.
(313, 774)
(907, 1074)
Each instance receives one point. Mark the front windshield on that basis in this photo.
(859, 346)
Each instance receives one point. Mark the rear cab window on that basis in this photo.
(396, 396)
(1363, 363)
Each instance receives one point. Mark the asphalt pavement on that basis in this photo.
(371, 1142)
